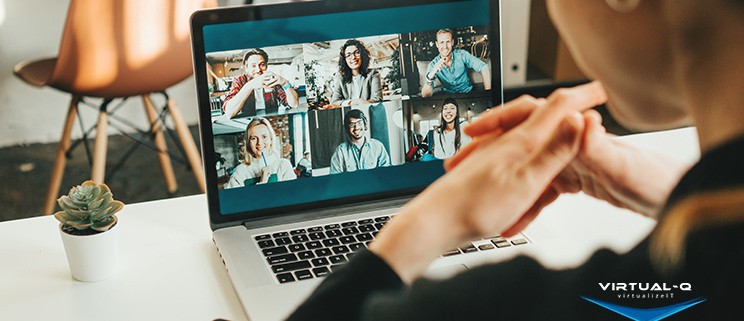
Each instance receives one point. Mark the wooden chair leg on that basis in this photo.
(98, 172)
(165, 162)
(60, 159)
(192, 154)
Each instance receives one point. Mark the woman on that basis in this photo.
(262, 162)
(355, 84)
(662, 63)
(448, 138)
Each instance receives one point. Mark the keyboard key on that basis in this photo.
(284, 258)
(275, 251)
(332, 227)
(263, 237)
(280, 234)
(315, 229)
(340, 249)
(337, 259)
(379, 226)
(321, 271)
(317, 236)
(321, 261)
(382, 219)
(497, 239)
(365, 221)
(356, 246)
(296, 247)
(312, 245)
(298, 232)
(519, 241)
(306, 255)
(333, 233)
(323, 252)
(487, 246)
(291, 266)
(364, 237)
(350, 230)
(469, 249)
(285, 277)
(347, 224)
(266, 243)
(330, 242)
(303, 275)
(300, 238)
(283, 241)
(451, 252)
(366, 228)
(502, 244)
(347, 239)
(349, 255)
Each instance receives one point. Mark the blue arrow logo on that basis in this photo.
(652, 314)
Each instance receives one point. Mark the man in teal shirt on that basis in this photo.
(451, 68)
(357, 152)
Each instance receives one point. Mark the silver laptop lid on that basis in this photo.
(315, 105)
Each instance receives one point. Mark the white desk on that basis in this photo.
(170, 270)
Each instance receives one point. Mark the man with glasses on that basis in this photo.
(357, 152)
(451, 68)
(258, 87)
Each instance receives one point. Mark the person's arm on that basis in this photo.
(375, 88)
(431, 73)
(290, 98)
(338, 94)
(239, 93)
(285, 171)
(486, 74)
(337, 161)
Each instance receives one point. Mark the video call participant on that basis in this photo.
(355, 84)
(357, 152)
(448, 138)
(258, 86)
(451, 68)
(262, 162)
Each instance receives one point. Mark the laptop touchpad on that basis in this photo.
(446, 271)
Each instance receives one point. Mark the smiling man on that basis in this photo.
(357, 152)
(266, 89)
(451, 68)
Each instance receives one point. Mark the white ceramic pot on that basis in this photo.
(94, 257)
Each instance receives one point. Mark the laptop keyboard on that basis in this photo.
(317, 251)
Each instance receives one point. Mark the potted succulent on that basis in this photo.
(87, 224)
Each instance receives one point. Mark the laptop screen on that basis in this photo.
(315, 108)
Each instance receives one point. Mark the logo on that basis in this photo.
(651, 314)
(649, 292)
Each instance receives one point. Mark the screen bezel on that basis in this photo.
(203, 18)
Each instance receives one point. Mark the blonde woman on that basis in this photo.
(262, 162)
(662, 64)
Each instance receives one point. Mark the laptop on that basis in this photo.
(318, 120)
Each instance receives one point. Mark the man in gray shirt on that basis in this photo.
(357, 152)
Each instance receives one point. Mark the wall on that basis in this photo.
(32, 29)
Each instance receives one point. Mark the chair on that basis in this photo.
(113, 50)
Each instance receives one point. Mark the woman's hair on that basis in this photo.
(344, 69)
(443, 123)
(710, 209)
(248, 155)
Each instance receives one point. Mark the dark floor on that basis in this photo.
(26, 171)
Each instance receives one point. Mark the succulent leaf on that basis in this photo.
(89, 205)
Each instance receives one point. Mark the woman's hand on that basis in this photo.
(492, 188)
(605, 168)
(265, 174)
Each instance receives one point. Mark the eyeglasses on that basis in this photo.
(358, 124)
(354, 53)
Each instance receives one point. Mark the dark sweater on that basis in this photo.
(521, 289)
